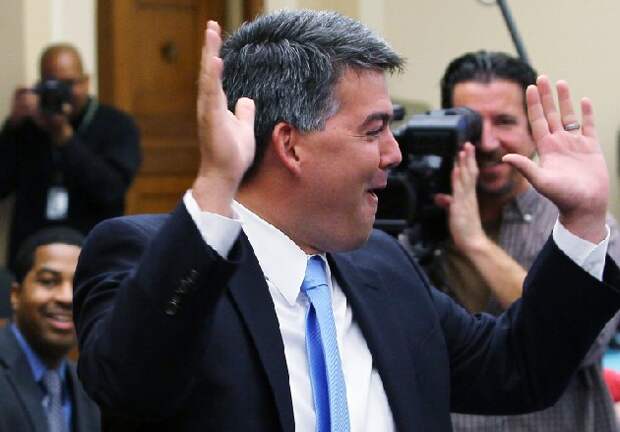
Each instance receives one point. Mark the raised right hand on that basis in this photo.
(226, 139)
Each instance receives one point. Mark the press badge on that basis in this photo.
(57, 203)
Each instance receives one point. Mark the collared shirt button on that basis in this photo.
(527, 217)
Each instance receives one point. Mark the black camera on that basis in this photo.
(429, 144)
(53, 95)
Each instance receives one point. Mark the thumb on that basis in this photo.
(525, 165)
(244, 111)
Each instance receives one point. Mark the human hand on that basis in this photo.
(571, 171)
(462, 206)
(226, 139)
(25, 105)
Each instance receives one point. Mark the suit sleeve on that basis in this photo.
(523, 360)
(144, 296)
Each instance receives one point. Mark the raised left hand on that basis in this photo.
(571, 171)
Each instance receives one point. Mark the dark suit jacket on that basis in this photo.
(20, 395)
(175, 338)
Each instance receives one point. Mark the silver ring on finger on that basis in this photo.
(572, 126)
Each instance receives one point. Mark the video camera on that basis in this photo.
(53, 95)
(429, 144)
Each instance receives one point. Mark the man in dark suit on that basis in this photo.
(265, 301)
(39, 389)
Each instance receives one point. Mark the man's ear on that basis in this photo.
(16, 290)
(284, 140)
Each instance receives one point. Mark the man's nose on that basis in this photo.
(488, 139)
(390, 152)
(64, 292)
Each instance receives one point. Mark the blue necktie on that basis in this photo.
(328, 387)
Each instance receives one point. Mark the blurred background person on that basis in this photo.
(68, 159)
(39, 389)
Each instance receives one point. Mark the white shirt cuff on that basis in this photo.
(219, 232)
(587, 255)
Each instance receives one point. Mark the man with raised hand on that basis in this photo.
(498, 225)
(266, 302)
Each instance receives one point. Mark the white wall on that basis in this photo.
(27, 26)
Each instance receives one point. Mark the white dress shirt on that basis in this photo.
(284, 264)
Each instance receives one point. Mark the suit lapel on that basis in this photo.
(372, 310)
(251, 294)
(20, 377)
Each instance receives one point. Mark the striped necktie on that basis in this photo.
(55, 415)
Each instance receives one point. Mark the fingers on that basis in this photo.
(566, 105)
(525, 165)
(244, 111)
(210, 93)
(464, 174)
(587, 119)
(467, 166)
(442, 200)
(548, 104)
(535, 114)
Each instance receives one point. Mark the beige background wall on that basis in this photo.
(568, 39)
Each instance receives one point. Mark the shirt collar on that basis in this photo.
(36, 364)
(282, 261)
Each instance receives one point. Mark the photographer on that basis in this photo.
(67, 158)
(498, 223)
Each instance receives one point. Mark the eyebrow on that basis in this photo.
(383, 116)
(48, 270)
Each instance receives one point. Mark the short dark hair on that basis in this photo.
(55, 49)
(289, 62)
(483, 66)
(24, 259)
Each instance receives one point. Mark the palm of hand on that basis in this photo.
(576, 160)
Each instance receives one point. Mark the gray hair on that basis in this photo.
(289, 62)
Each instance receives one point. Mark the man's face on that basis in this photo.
(42, 304)
(504, 130)
(344, 164)
(65, 66)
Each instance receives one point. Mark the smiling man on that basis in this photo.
(39, 389)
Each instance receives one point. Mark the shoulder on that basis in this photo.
(9, 349)
(384, 254)
(119, 230)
